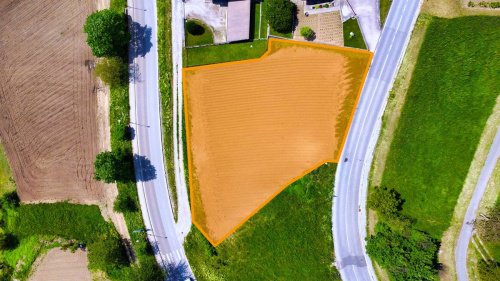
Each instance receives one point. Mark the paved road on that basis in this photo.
(468, 226)
(349, 212)
(145, 120)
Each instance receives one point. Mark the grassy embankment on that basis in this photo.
(234, 51)
(451, 95)
(289, 239)
(355, 41)
(384, 6)
(6, 181)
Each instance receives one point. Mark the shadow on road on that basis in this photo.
(145, 171)
(140, 42)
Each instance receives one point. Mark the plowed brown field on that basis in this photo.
(47, 100)
(256, 126)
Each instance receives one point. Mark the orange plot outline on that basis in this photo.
(267, 53)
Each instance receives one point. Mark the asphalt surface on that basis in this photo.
(349, 202)
(468, 225)
(147, 142)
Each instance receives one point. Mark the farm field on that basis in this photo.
(253, 134)
(58, 265)
(289, 239)
(48, 101)
(452, 93)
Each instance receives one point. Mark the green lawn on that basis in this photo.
(452, 93)
(6, 181)
(225, 53)
(207, 37)
(355, 41)
(385, 5)
(289, 239)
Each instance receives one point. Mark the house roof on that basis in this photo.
(238, 20)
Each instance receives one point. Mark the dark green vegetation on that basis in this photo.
(114, 166)
(406, 253)
(489, 230)
(107, 33)
(42, 226)
(307, 32)
(289, 239)
(198, 33)
(385, 5)
(226, 52)
(165, 83)
(451, 95)
(112, 71)
(408, 256)
(355, 39)
(280, 14)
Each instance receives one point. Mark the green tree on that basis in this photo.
(112, 71)
(412, 257)
(106, 167)
(107, 254)
(280, 14)
(386, 201)
(107, 33)
(307, 32)
(8, 241)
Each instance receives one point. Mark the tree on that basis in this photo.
(307, 32)
(112, 71)
(106, 167)
(8, 241)
(412, 257)
(280, 14)
(107, 33)
(386, 201)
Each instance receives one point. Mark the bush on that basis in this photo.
(113, 166)
(112, 71)
(125, 203)
(195, 28)
(307, 32)
(412, 257)
(107, 254)
(107, 33)
(280, 14)
(8, 241)
(387, 202)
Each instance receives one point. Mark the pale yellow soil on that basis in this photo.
(59, 265)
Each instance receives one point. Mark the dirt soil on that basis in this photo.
(256, 126)
(48, 100)
(59, 265)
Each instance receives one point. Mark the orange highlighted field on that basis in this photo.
(254, 127)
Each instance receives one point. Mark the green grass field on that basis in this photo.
(289, 239)
(355, 41)
(452, 93)
(6, 181)
(225, 53)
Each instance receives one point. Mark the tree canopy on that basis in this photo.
(280, 14)
(107, 33)
(112, 166)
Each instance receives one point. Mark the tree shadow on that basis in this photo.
(144, 170)
(134, 74)
(140, 42)
(178, 272)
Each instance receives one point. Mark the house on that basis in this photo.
(238, 20)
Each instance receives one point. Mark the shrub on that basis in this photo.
(471, 4)
(107, 33)
(195, 28)
(280, 15)
(112, 71)
(125, 203)
(307, 32)
(387, 202)
(412, 257)
(107, 254)
(113, 166)
(8, 241)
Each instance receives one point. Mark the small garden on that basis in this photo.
(352, 35)
(198, 33)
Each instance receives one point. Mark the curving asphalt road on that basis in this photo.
(147, 144)
(349, 212)
(465, 235)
